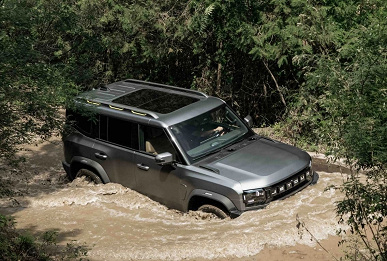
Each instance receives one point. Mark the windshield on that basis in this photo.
(209, 132)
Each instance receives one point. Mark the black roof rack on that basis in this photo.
(166, 87)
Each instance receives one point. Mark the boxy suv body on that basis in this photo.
(180, 147)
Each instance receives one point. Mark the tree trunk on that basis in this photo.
(219, 74)
(275, 82)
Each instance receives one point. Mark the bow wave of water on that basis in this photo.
(121, 224)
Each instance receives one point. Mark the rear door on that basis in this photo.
(114, 150)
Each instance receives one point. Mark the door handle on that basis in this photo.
(142, 166)
(101, 155)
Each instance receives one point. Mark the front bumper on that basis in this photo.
(311, 181)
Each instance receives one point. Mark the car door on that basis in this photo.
(160, 183)
(114, 150)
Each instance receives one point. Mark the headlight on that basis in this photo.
(254, 197)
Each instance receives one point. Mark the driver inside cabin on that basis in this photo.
(199, 129)
(211, 120)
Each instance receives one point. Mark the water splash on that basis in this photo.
(125, 225)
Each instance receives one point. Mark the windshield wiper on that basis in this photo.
(221, 148)
(235, 141)
(208, 153)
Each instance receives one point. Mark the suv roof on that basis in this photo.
(166, 103)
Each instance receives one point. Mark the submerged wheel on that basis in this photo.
(89, 176)
(214, 210)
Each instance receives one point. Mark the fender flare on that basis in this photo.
(92, 164)
(225, 201)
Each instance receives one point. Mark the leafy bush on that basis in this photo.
(16, 246)
(342, 104)
(321, 64)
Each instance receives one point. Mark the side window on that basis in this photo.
(85, 122)
(117, 131)
(154, 141)
(103, 127)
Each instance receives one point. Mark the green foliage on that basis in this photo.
(253, 54)
(32, 87)
(343, 101)
(364, 210)
(14, 246)
(320, 64)
(342, 104)
(23, 246)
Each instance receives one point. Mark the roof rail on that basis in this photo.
(103, 87)
(166, 87)
(120, 107)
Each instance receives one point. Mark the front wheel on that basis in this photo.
(214, 210)
(89, 176)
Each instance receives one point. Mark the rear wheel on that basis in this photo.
(89, 176)
(214, 210)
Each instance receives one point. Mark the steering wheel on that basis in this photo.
(217, 133)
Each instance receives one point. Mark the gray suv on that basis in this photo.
(180, 147)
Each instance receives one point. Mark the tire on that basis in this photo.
(214, 210)
(89, 176)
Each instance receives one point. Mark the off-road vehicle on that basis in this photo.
(181, 148)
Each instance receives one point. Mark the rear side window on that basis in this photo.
(120, 132)
(84, 122)
(117, 131)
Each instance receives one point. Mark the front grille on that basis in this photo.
(289, 185)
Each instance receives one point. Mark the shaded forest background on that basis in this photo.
(316, 68)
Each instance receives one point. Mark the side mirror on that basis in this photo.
(164, 158)
(249, 120)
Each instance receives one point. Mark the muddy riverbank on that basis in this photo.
(120, 224)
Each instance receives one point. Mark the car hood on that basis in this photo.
(262, 163)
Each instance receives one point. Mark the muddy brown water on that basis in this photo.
(121, 224)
